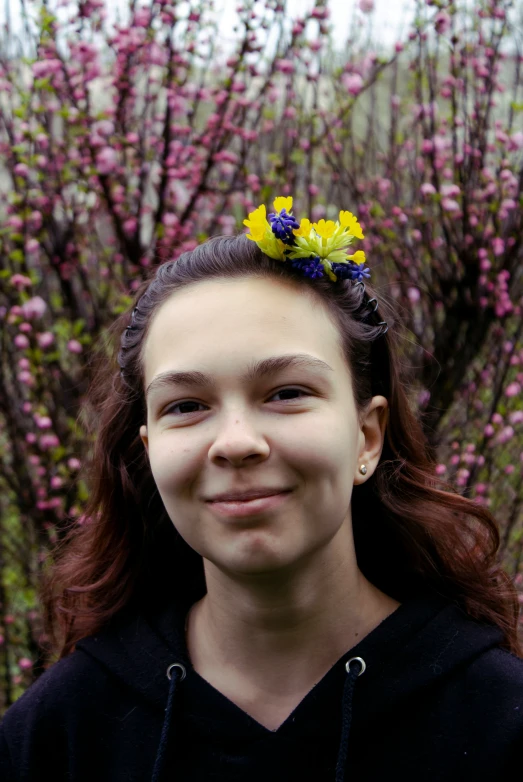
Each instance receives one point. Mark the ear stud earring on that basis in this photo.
(363, 470)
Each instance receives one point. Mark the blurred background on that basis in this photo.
(131, 131)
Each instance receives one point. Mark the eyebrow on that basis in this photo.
(263, 368)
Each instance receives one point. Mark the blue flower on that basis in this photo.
(311, 267)
(350, 271)
(282, 225)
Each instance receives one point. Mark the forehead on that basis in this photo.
(224, 322)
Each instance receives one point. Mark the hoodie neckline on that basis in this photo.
(426, 635)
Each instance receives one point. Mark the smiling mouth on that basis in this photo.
(235, 508)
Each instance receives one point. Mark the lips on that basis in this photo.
(248, 494)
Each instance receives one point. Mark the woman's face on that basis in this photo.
(220, 426)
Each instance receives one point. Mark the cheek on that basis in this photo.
(173, 461)
(330, 445)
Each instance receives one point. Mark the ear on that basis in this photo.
(144, 437)
(372, 437)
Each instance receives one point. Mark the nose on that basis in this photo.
(238, 441)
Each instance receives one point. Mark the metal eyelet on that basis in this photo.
(383, 323)
(376, 305)
(176, 665)
(358, 659)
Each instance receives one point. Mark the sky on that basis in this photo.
(389, 18)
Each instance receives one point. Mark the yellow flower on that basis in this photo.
(304, 229)
(257, 223)
(358, 257)
(325, 229)
(350, 222)
(283, 203)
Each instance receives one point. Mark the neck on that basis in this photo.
(282, 634)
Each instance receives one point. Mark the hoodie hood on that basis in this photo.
(421, 642)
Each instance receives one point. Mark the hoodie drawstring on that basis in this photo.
(346, 716)
(162, 749)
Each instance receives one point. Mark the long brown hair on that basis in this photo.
(410, 530)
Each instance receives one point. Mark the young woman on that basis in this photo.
(269, 582)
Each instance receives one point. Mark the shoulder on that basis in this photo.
(497, 669)
(496, 677)
(72, 681)
(35, 729)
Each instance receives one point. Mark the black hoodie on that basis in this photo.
(436, 699)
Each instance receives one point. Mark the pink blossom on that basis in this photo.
(34, 308)
(353, 83)
(427, 189)
(15, 222)
(73, 463)
(21, 341)
(43, 69)
(103, 128)
(49, 441)
(498, 246)
(24, 663)
(130, 226)
(450, 191)
(26, 378)
(413, 294)
(285, 66)
(488, 431)
(106, 160)
(73, 346)
(449, 205)
(43, 422)
(170, 220)
(516, 140)
(45, 339)
(366, 6)
(441, 469)
(56, 482)
(21, 170)
(516, 417)
(514, 389)
(35, 220)
(506, 434)
(481, 488)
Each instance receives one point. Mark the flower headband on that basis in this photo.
(312, 248)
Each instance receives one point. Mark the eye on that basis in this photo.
(191, 403)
